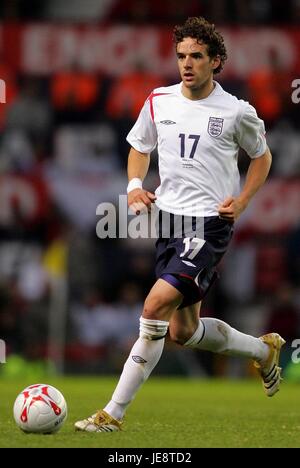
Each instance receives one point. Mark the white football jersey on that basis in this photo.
(198, 144)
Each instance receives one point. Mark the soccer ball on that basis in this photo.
(40, 408)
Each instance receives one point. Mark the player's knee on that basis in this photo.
(153, 329)
(156, 307)
(180, 335)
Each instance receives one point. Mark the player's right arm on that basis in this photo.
(143, 140)
(138, 165)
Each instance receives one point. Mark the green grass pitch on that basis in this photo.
(168, 413)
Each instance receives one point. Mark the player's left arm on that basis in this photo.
(257, 173)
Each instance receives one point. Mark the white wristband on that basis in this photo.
(135, 183)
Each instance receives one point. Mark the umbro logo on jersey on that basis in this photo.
(167, 122)
(215, 126)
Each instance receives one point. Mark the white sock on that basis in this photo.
(142, 359)
(218, 337)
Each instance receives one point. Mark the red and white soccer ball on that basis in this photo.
(40, 408)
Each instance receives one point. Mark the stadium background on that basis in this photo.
(77, 72)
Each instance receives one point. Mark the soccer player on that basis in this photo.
(198, 128)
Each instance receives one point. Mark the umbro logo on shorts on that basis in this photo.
(138, 359)
(188, 263)
(168, 122)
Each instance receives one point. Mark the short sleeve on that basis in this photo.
(143, 135)
(250, 132)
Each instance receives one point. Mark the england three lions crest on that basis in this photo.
(215, 126)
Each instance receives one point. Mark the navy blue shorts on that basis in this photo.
(189, 262)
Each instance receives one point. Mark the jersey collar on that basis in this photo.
(217, 91)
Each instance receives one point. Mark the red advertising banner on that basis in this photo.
(275, 208)
(45, 48)
(23, 198)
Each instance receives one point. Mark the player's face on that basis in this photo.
(195, 65)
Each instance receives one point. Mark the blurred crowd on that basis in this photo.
(144, 12)
(63, 151)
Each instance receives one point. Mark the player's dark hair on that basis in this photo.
(204, 32)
